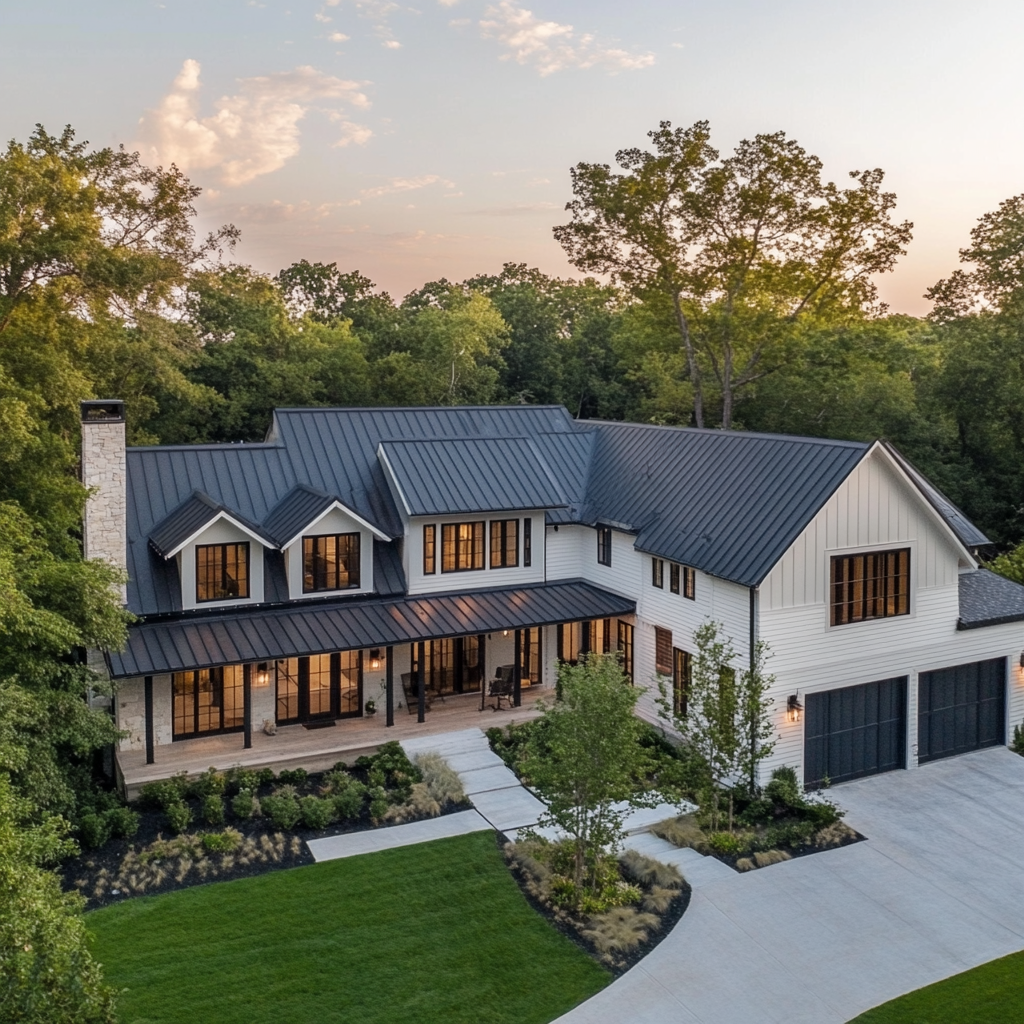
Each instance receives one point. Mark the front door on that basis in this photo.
(320, 687)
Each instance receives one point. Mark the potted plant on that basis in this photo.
(370, 707)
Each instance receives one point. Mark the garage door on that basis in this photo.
(855, 731)
(961, 708)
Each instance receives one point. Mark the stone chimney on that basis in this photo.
(103, 472)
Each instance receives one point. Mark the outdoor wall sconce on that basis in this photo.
(504, 632)
(262, 674)
(794, 709)
(375, 659)
(1022, 659)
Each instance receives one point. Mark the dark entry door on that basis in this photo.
(961, 708)
(855, 731)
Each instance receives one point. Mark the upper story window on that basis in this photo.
(504, 543)
(682, 579)
(604, 545)
(527, 542)
(330, 562)
(873, 585)
(658, 573)
(462, 547)
(429, 549)
(222, 571)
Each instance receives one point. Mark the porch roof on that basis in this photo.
(155, 648)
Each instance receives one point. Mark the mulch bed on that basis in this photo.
(572, 925)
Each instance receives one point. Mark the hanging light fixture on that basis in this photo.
(375, 659)
(262, 674)
(794, 709)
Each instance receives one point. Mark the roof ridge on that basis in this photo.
(716, 432)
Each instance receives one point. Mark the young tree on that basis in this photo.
(588, 758)
(753, 716)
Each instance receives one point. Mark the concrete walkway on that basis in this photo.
(938, 888)
(375, 839)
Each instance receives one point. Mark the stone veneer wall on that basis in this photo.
(103, 471)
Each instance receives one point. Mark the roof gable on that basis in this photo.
(196, 514)
(301, 509)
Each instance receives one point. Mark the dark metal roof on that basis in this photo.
(294, 512)
(201, 642)
(987, 599)
(471, 475)
(727, 502)
(968, 534)
(197, 511)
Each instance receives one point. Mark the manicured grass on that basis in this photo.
(990, 994)
(435, 932)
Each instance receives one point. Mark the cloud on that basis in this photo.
(253, 132)
(391, 44)
(278, 212)
(338, 37)
(515, 210)
(377, 12)
(550, 46)
(405, 185)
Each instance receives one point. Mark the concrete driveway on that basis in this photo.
(937, 888)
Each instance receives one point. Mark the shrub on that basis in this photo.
(833, 835)
(765, 857)
(620, 929)
(348, 803)
(822, 813)
(682, 831)
(244, 804)
(421, 804)
(93, 830)
(727, 844)
(210, 783)
(376, 777)
(442, 781)
(123, 821)
(378, 803)
(293, 776)
(658, 899)
(213, 809)
(649, 872)
(179, 816)
(282, 807)
(160, 795)
(784, 788)
(221, 842)
(1017, 746)
(316, 813)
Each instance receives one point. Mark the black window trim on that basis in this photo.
(483, 545)
(359, 570)
(503, 525)
(604, 545)
(248, 569)
(430, 568)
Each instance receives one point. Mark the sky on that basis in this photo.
(435, 140)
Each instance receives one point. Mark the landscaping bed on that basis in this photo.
(242, 822)
(640, 900)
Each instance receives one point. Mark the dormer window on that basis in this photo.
(222, 572)
(330, 562)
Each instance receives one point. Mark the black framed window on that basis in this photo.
(504, 543)
(429, 549)
(673, 577)
(626, 647)
(319, 687)
(682, 670)
(330, 561)
(662, 651)
(682, 579)
(604, 545)
(689, 583)
(527, 542)
(658, 573)
(208, 700)
(222, 571)
(462, 547)
(872, 585)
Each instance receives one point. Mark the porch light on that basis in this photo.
(794, 709)
(262, 674)
(375, 659)
(1022, 659)
(504, 632)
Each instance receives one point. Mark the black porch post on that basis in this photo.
(421, 683)
(517, 671)
(389, 688)
(585, 637)
(247, 705)
(481, 642)
(147, 686)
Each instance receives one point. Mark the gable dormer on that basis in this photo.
(328, 547)
(219, 553)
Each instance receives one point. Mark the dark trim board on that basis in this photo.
(961, 708)
(855, 731)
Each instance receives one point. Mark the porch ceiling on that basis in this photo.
(155, 648)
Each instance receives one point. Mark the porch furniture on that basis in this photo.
(412, 697)
(502, 686)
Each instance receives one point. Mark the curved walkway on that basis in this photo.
(937, 888)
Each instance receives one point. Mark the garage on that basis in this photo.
(855, 731)
(960, 709)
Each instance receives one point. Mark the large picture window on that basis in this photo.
(322, 686)
(330, 562)
(222, 571)
(462, 547)
(208, 700)
(504, 543)
(872, 585)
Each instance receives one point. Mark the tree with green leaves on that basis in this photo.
(587, 761)
(747, 249)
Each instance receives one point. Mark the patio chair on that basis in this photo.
(502, 686)
(412, 699)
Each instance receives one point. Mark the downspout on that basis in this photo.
(753, 668)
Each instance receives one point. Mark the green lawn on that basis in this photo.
(990, 994)
(435, 932)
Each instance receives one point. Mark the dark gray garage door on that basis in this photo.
(961, 708)
(855, 731)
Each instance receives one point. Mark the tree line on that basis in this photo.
(734, 291)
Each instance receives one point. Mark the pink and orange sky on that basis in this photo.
(415, 142)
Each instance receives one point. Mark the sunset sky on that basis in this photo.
(415, 142)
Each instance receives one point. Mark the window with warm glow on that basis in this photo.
(504, 543)
(330, 562)
(222, 571)
(462, 547)
(873, 585)
(429, 549)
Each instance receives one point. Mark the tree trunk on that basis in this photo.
(727, 387)
(691, 360)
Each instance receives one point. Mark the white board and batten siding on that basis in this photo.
(875, 508)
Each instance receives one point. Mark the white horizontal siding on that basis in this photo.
(564, 550)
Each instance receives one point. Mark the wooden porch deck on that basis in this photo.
(317, 749)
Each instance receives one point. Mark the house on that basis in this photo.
(440, 561)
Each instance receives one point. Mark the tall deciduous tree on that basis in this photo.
(746, 248)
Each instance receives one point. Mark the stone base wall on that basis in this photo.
(130, 704)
